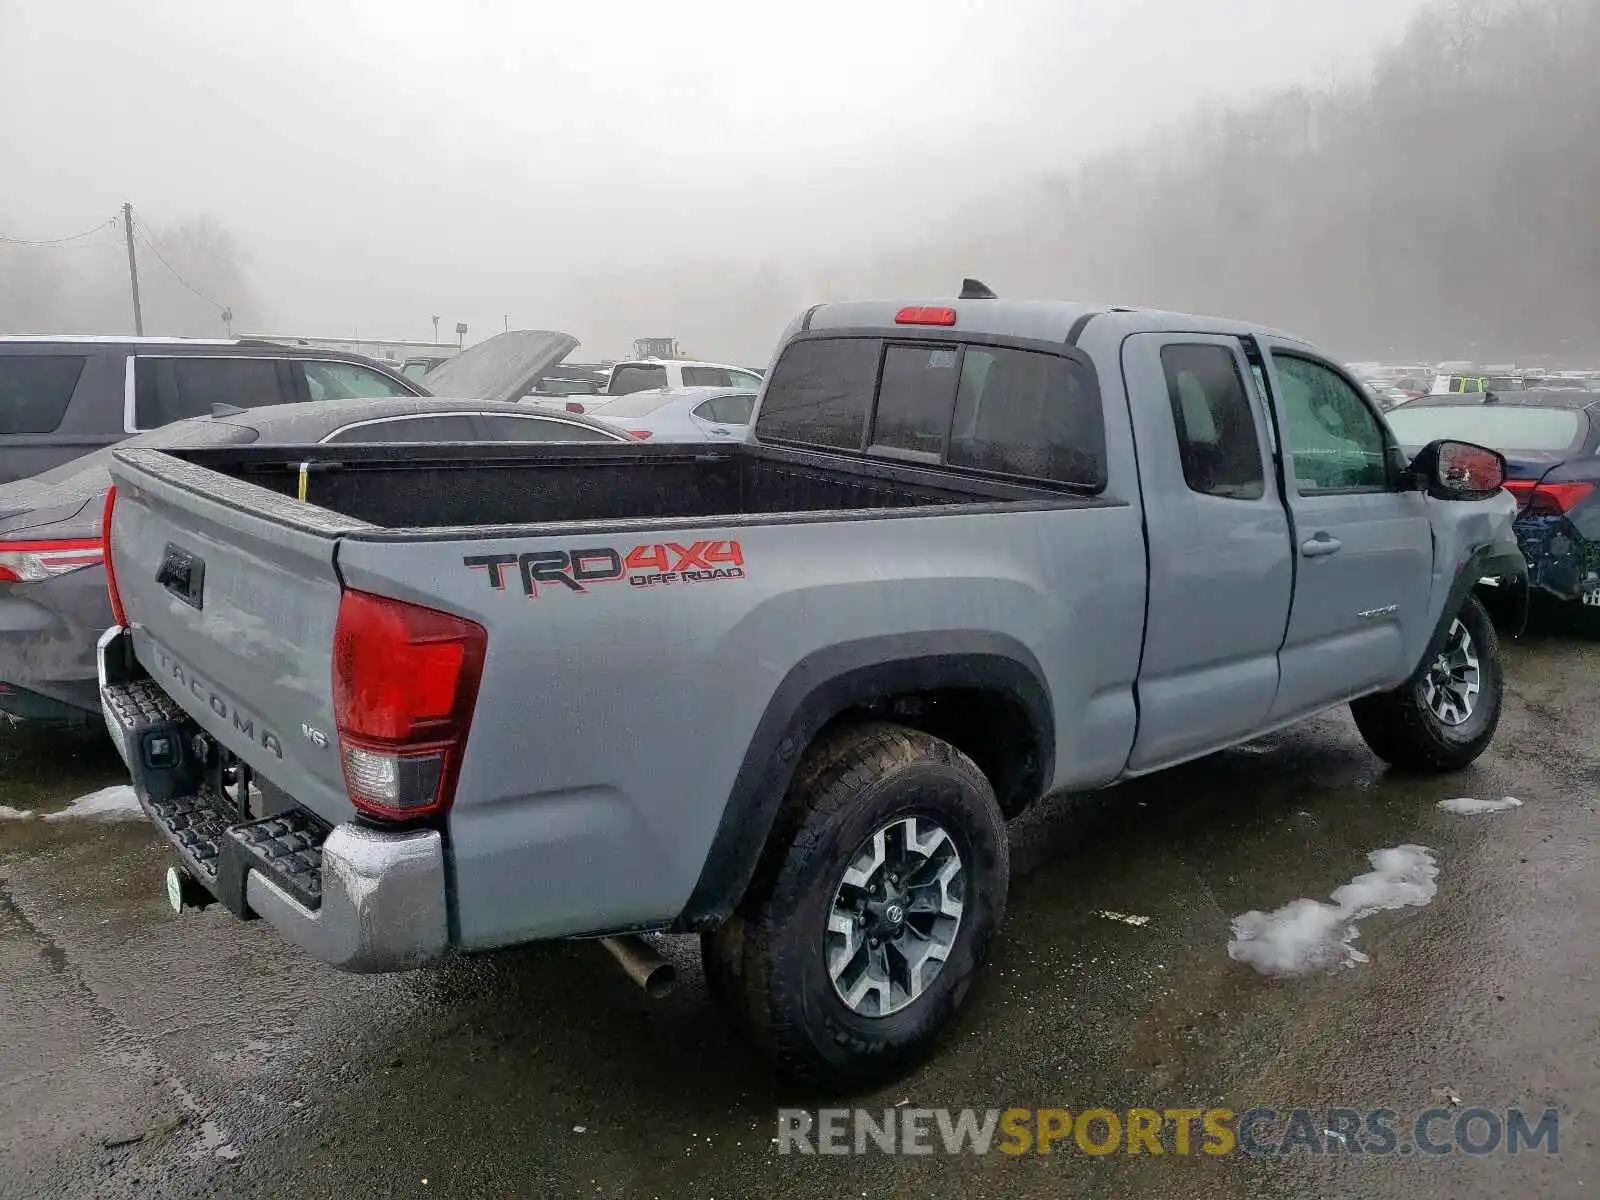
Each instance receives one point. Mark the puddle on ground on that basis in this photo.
(1311, 935)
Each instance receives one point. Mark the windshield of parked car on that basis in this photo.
(1508, 430)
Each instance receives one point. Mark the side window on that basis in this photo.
(454, 428)
(35, 390)
(915, 398)
(1019, 412)
(728, 410)
(171, 389)
(344, 381)
(821, 392)
(535, 429)
(626, 379)
(1217, 439)
(1335, 439)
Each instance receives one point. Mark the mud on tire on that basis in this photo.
(1402, 726)
(770, 963)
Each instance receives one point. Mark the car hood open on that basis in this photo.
(505, 367)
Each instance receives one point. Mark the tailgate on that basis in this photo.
(231, 596)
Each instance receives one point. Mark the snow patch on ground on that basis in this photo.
(7, 813)
(1466, 805)
(108, 804)
(1125, 918)
(1310, 935)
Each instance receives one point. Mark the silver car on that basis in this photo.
(53, 602)
(699, 414)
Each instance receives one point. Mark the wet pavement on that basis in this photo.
(143, 1054)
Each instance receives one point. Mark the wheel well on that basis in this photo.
(989, 725)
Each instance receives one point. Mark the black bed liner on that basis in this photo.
(406, 487)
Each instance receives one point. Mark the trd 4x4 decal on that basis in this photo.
(651, 565)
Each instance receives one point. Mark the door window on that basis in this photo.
(344, 381)
(1217, 438)
(171, 389)
(727, 410)
(1334, 437)
(35, 389)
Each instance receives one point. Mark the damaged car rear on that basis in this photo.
(1551, 442)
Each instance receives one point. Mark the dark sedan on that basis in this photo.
(53, 603)
(1551, 440)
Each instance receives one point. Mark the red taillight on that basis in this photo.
(639, 435)
(574, 407)
(405, 679)
(925, 316)
(34, 562)
(117, 615)
(1547, 499)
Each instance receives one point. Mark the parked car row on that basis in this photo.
(64, 402)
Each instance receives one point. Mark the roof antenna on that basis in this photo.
(976, 289)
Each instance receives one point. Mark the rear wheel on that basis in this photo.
(1445, 715)
(860, 940)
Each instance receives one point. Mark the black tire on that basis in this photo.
(769, 961)
(1405, 732)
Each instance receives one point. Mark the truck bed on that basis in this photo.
(402, 488)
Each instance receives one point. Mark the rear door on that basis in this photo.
(173, 388)
(232, 597)
(58, 401)
(1221, 573)
(1363, 544)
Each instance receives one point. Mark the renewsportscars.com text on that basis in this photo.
(1211, 1131)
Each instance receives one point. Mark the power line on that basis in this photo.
(57, 241)
(144, 237)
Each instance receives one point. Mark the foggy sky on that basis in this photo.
(380, 162)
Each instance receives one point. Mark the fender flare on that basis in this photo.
(816, 690)
(1484, 561)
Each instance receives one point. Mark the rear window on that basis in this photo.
(535, 429)
(990, 408)
(821, 392)
(170, 389)
(1508, 430)
(626, 380)
(35, 389)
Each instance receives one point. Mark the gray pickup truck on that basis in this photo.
(405, 702)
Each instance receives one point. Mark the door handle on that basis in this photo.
(1320, 546)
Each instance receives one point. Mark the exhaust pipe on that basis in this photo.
(639, 960)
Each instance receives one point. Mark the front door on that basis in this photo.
(1220, 568)
(1363, 543)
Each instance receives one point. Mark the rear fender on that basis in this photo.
(818, 689)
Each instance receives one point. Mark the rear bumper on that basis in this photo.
(360, 899)
(47, 639)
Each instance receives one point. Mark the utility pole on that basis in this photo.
(133, 269)
(436, 329)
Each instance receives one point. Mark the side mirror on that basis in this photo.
(1450, 470)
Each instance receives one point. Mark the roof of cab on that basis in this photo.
(1040, 320)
